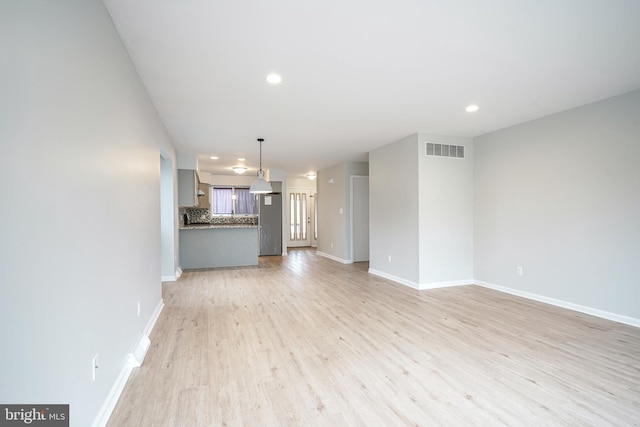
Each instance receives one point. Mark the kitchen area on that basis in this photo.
(225, 225)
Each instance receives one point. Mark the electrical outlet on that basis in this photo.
(519, 271)
(138, 308)
(94, 367)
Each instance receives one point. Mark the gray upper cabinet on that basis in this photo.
(203, 200)
(187, 187)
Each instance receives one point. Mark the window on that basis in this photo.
(233, 200)
(298, 215)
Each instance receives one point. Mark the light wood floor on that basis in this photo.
(305, 341)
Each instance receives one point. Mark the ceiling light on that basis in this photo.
(241, 159)
(471, 108)
(213, 158)
(312, 176)
(239, 169)
(260, 186)
(274, 79)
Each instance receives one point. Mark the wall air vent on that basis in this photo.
(444, 150)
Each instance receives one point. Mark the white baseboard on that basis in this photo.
(335, 258)
(172, 278)
(421, 286)
(154, 318)
(436, 285)
(396, 279)
(114, 394)
(136, 357)
(564, 304)
(134, 360)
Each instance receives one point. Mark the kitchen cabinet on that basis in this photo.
(188, 187)
(210, 247)
(203, 200)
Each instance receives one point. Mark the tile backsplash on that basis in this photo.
(198, 215)
(245, 219)
(203, 216)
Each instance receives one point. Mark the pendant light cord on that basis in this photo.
(260, 141)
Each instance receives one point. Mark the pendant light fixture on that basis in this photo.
(260, 186)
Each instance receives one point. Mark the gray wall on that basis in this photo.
(80, 191)
(334, 229)
(560, 196)
(421, 213)
(445, 214)
(332, 223)
(393, 215)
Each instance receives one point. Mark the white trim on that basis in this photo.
(421, 286)
(335, 258)
(134, 360)
(632, 321)
(154, 318)
(114, 394)
(174, 277)
(395, 278)
(136, 357)
(436, 285)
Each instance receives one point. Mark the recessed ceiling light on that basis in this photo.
(274, 79)
(239, 169)
(213, 158)
(471, 108)
(241, 159)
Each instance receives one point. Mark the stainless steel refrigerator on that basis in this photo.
(270, 221)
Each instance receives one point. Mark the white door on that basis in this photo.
(299, 215)
(360, 218)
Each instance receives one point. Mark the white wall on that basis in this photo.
(169, 220)
(445, 214)
(80, 221)
(302, 183)
(393, 215)
(244, 180)
(560, 196)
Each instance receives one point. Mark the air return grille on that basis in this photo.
(444, 150)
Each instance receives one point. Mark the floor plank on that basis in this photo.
(303, 340)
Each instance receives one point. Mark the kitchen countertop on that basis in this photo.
(214, 226)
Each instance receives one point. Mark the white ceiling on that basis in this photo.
(359, 74)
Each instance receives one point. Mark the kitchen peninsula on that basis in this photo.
(224, 242)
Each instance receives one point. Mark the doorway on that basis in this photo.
(168, 251)
(300, 214)
(359, 218)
